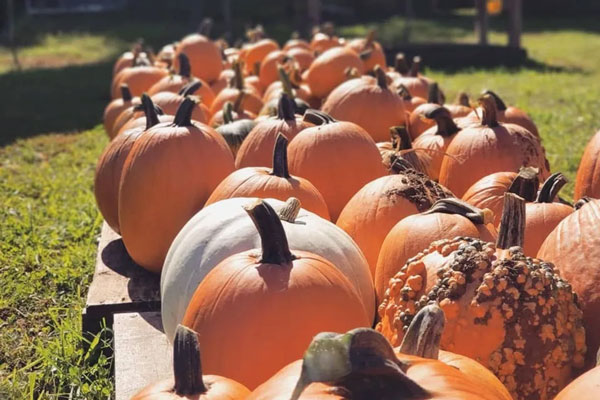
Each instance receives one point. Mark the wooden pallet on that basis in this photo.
(142, 353)
(118, 285)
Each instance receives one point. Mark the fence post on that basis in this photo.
(515, 23)
(481, 23)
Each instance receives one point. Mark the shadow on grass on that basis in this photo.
(38, 101)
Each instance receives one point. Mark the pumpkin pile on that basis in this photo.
(287, 192)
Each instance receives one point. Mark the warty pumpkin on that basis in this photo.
(116, 107)
(446, 219)
(275, 182)
(489, 147)
(257, 148)
(373, 211)
(270, 303)
(522, 315)
(204, 55)
(235, 126)
(338, 157)
(168, 175)
(587, 182)
(328, 70)
(370, 51)
(252, 98)
(188, 380)
(368, 102)
(169, 102)
(199, 247)
(573, 246)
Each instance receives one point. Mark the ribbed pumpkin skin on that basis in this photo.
(167, 177)
(434, 147)
(511, 115)
(587, 182)
(542, 218)
(338, 158)
(416, 232)
(417, 86)
(140, 122)
(254, 318)
(139, 79)
(204, 55)
(488, 192)
(219, 388)
(363, 102)
(586, 387)
(259, 182)
(573, 246)
(328, 70)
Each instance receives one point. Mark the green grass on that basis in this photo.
(48, 218)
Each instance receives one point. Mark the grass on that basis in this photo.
(48, 218)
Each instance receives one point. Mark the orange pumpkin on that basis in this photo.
(400, 149)
(234, 127)
(370, 51)
(323, 39)
(321, 154)
(302, 57)
(573, 246)
(188, 379)
(116, 107)
(410, 102)
(417, 122)
(369, 103)
(587, 182)
(296, 42)
(168, 176)
(329, 70)
(276, 183)
(139, 78)
(266, 304)
(223, 80)
(297, 91)
(586, 387)
(257, 149)
(204, 55)
(256, 52)
(417, 84)
(522, 316)
(252, 98)
(169, 102)
(374, 210)
(134, 117)
(489, 147)
(446, 219)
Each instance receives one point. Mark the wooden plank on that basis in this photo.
(481, 22)
(515, 22)
(118, 285)
(143, 355)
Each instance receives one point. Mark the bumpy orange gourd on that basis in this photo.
(204, 55)
(587, 183)
(168, 176)
(329, 70)
(337, 157)
(266, 304)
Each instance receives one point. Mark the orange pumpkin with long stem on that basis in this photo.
(116, 107)
(188, 380)
(169, 102)
(135, 117)
(299, 93)
(275, 182)
(204, 56)
(271, 298)
(417, 123)
(370, 50)
(252, 99)
(587, 183)
(167, 177)
(139, 78)
(329, 70)
(410, 102)
(523, 316)
(322, 153)
(417, 84)
(400, 147)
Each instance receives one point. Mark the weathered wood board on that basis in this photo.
(142, 353)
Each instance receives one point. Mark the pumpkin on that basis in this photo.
(296, 42)
(257, 148)
(586, 387)
(139, 78)
(266, 304)
(370, 51)
(125, 60)
(369, 103)
(373, 211)
(275, 182)
(256, 52)
(235, 127)
(461, 107)
(417, 84)
(235, 112)
(446, 219)
(300, 93)
(223, 80)
(199, 247)
(204, 55)
(573, 246)
(188, 379)
(252, 99)
(169, 102)
(361, 364)
(400, 69)
(587, 182)
(110, 166)
(400, 149)
(329, 70)
(134, 117)
(338, 157)
(323, 39)
(168, 175)
(522, 315)
(115, 108)
(166, 56)
(489, 147)
(417, 122)
(303, 57)
(410, 102)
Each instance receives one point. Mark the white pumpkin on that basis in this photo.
(224, 228)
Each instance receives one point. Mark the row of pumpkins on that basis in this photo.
(283, 192)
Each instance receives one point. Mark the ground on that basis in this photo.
(51, 140)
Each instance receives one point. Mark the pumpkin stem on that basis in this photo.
(462, 99)
(280, 164)
(455, 206)
(289, 212)
(404, 92)
(433, 94)
(424, 334)
(237, 106)
(286, 83)
(512, 224)
(415, 67)
(365, 54)
(400, 138)
(445, 124)
(205, 27)
(125, 93)
(361, 361)
(500, 105)
(369, 39)
(187, 365)
(190, 88)
(238, 78)
(401, 65)
(275, 248)
(582, 202)
(317, 117)
(149, 111)
(185, 69)
(526, 183)
(183, 116)
(381, 77)
(489, 111)
(286, 108)
(228, 112)
(551, 187)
